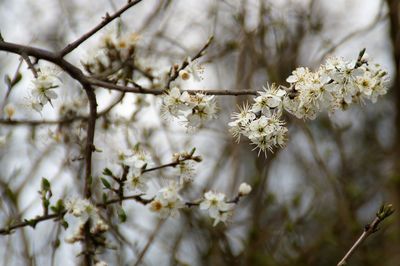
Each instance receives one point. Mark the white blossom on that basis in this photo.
(270, 100)
(191, 110)
(261, 123)
(241, 121)
(216, 206)
(43, 89)
(136, 181)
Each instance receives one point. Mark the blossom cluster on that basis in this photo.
(334, 86)
(138, 161)
(85, 211)
(192, 110)
(261, 122)
(168, 202)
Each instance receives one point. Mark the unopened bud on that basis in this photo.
(244, 189)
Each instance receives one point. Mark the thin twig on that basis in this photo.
(385, 211)
(107, 19)
(30, 65)
(42, 218)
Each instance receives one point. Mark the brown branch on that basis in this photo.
(7, 230)
(385, 211)
(107, 19)
(13, 122)
(141, 90)
(20, 122)
(90, 148)
(77, 74)
(38, 53)
(30, 65)
(42, 218)
(138, 198)
(173, 164)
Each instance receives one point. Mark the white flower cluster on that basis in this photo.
(261, 122)
(85, 210)
(167, 202)
(336, 84)
(192, 110)
(42, 90)
(137, 162)
(114, 52)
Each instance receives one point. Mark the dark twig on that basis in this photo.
(38, 219)
(385, 211)
(30, 65)
(107, 19)
(141, 90)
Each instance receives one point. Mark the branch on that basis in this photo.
(38, 219)
(42, 218)
(174, 163)
(78, 75)
(70, 47)
(141, 90)
(90, 148)
(20, 122)
(385, 211)
(13, 122)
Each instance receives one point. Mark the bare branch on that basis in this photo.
(384, 212)
(42, 218)
(107, 19)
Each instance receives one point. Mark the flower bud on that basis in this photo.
(9, 110)
(244, 189)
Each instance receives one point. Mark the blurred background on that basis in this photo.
(310, 200)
